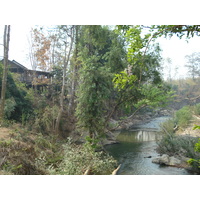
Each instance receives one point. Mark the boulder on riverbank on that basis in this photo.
(171, 161)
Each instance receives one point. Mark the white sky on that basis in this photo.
(177, 49)
(18, 49)
(174, 48)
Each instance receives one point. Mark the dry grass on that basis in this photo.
(5, 133)
(19, 151)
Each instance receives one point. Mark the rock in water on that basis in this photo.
(156, 160)
(167, 160)
(174, 161)
(147, 156)
(164, 159)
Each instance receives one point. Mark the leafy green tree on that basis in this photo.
(93, 87)
(140, 96)
(17, 99)
(101, 54)
(141, 85)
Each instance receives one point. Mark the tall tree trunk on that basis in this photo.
(66, 61)
(5, 69)
(74, 77)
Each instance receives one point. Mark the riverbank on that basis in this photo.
(137, 149)
(132, 123)
(176, 158)
(177, 148)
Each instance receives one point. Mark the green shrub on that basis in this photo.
(195, 162)
(172, 144)
(16, 97)
(197, 109)
(78, 158)
(10, 105)
(168, 126)
(45, 121)
(183, 116)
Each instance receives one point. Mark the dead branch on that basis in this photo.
(87, 172)
(195, 116)
(116, 170)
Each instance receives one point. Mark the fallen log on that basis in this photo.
(116, 170)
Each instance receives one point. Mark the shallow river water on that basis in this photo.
(136, 150)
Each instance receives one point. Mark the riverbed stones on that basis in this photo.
(170, 161)
(174, 161)
(164, 159)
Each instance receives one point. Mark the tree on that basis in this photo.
(140, 85)
(45, 50)
(168, 68)
(69, 34)
(5, 69)
(101, 55)
(193, 65)
(40, 50)
(74, 68)
(93, 83)
(178, 30)
(102, 60)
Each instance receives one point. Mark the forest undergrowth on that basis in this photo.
(29, 153)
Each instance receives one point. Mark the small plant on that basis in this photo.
(45, 121)
(197, 109)
(195, 163)
(168, 126)
(183, 116)
(9, 167)
(10, 105)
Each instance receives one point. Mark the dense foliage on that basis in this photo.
(18, 101)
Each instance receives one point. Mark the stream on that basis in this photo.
(137, 148)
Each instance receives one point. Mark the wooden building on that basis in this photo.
(30, 77)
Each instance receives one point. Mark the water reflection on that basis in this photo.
(135, 152)
(146, 136)
(138, 136)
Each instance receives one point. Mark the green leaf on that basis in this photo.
(196, 127)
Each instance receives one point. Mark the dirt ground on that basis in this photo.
(189, 131)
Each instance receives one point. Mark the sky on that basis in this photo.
(19, 45)
(177, 49)
(173, 48)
